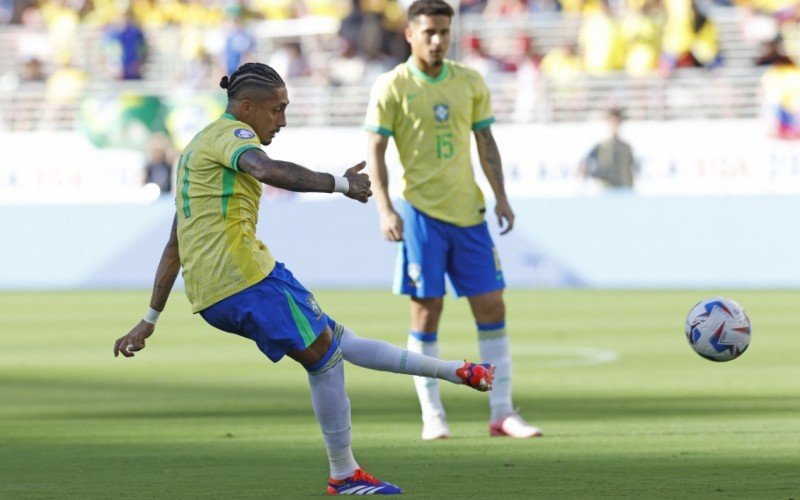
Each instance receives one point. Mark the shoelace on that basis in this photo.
(362, 475)
(358, 475)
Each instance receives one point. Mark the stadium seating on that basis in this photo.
(732, 91)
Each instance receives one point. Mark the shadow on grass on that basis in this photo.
(232, 470)
(111, 400)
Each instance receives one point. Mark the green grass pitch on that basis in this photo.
(627, 408)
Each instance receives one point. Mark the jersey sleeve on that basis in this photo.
(482, 115)
(232, 142)
(382, 108)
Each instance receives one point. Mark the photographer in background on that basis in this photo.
(611, 161)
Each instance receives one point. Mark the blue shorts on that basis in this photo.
(432, 248)
(277, 313)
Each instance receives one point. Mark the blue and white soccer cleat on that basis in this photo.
(477, 376)
(361, 483)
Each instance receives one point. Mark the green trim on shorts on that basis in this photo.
(300, 321)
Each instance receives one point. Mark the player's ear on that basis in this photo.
(246, 106)
(409, 30)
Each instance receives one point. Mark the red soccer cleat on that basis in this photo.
(361, 483)
(477, 376)
(514, 426)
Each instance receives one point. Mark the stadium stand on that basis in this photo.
(181, 58)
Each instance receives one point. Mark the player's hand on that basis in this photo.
(359, 183)
(392, 226)
(134, 340)
(505, 216)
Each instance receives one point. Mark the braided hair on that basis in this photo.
(248, 76)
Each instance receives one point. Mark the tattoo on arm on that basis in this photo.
(294, 177)
(168, 268)
(378, 172)
(490, 160)
(284, 174)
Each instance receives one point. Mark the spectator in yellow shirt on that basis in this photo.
(600, 41)
(641, 36)
(690, 40)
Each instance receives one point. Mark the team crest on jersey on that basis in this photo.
(441, 112)
(312, 303)
(243, 133)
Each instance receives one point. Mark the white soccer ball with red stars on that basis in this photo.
(718, 329)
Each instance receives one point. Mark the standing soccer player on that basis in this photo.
(237, 286)
(429, 105)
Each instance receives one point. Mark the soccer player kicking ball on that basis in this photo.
(429, 105)
(236, 285)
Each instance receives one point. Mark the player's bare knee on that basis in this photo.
(314, 352)
(498, 309)
(488, 308)
(492, 313)
(430, 306)
(425, 313)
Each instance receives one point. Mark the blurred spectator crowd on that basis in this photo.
(640, 37)
(342, 43)
(215, 36)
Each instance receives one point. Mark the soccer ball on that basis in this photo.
(718, 329)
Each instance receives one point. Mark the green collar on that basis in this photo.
(418, 72)
(229, 117)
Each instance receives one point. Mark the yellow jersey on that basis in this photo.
(217, 210)
(431, 120)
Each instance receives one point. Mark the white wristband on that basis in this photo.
(340, 184)
(151, 316)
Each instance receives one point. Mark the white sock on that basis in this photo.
(430, 400)
(383, 356)
(493, 347)
(332, 408)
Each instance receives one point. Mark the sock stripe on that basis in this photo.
(491, 326)
(491, 334)
(337, 332)
(332, 362)
(423, 336)
(329, 360)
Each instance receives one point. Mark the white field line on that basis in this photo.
(563, 356)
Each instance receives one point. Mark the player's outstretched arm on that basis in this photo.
(294, 177)
(166, 273)
(493, 168)
(391, 222)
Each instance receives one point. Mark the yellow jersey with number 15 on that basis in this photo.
(217, 208)
(431, 120)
